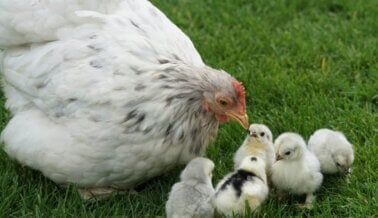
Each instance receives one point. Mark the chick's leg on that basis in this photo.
(281, 195)
(309, 201)
(348, 175)
(310, 198)
(253, 203)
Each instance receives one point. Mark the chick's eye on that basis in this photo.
(287, 153)
(262, 134)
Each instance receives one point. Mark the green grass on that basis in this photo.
(305, 65)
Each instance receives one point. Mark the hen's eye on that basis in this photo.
(262, 134)
(287, 153)
(223, 102)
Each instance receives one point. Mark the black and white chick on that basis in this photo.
(296, 169)
(259, 142)
(246, 186)
(334, 151)
(192, 196)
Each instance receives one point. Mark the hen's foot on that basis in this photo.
(99, 193)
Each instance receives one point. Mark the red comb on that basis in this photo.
(240, 90)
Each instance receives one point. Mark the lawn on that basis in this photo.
(305, 65)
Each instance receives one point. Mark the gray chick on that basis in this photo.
(192, 196)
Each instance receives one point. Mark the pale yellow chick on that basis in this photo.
(259, 142)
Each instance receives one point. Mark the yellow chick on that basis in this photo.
(259, 142)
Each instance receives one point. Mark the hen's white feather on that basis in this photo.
(73, 71)
(24, 22)
(51, 20)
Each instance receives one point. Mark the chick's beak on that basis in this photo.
(346, 170)
(278, 157)
(241, 118)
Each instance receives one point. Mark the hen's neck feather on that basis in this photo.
(186, 101)
(180, 88)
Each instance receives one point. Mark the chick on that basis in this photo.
(259, 143)
(334, 151)
(296, 170)
(245, 186)
(192, 196)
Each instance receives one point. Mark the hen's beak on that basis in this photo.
(240, 118)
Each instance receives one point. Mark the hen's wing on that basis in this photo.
(86, 61)
(24, 22)
(42, 21)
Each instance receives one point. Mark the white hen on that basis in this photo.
(334, 151)
(107, 94)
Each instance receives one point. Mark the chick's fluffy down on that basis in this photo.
(192, 196)
(298, 171)
(334, 151)
(257, 143)
(245, 187)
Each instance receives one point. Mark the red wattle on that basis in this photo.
(221, 118)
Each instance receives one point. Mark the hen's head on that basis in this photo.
(226, 99)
